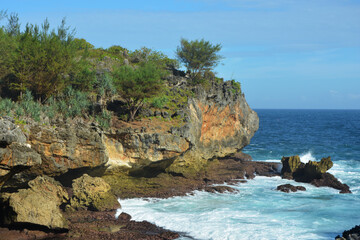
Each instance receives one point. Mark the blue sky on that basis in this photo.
(285, 54)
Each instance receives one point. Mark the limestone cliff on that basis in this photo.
(215, 121)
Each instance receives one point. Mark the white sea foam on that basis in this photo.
(306, 157)
(258, 211)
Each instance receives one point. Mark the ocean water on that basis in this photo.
(258, 211)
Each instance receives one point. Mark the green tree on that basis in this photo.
(13, 27)
(198, 56)
(39, 60)
(137, 84)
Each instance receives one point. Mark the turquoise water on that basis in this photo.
(258, 211)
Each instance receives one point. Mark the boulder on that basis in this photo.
(36, 205)
(92, 193)
(290, 188)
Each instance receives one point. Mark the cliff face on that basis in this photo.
(216, 122)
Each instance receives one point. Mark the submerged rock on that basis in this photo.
(290, 188)
(37, 205)
(219, 189)
(92, 193)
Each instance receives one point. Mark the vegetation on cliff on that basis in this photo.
(48, 74)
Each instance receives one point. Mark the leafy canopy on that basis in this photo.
(198, 56)
(135, 84)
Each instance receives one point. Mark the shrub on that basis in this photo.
(6, 105)
(104, 119)
(159, 102)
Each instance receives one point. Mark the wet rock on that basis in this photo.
(37, 205)
(352, 234)
(290, 165)
(328, 180)
(312, 172)
(92, 193)
(219, 189)
(290, 188)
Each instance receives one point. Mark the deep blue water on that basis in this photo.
(334, 133)
(258, 211)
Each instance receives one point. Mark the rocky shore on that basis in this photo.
(62, 181)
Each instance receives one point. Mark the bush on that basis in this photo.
(236, 86)
(159, 102)
(104, 119)
(6, 105)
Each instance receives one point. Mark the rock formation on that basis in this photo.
(92, 193)
(312, 172)
(290, 188)
(36, 205)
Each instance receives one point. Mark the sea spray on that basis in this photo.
(306, 157)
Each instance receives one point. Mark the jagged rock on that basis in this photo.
(15, 159)
(352, 234)
(312, 172)
(328, 180)
(37, 205)
(66, 147)
(290, 165)
(219, 123)
(290, 188)
(93, 193)
(219, 189)
(10, 133)
(15, 154)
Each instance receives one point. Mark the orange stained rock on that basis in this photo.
(219, 124)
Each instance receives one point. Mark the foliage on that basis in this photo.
(104, 119)
(148, 55)
(6, 105)
(236, 86)
(159, 102)
(136, 84)
(37, 58)
(198, 56)
(82, 76)
(82, 44)
(105, 88)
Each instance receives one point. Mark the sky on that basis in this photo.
(292, 54)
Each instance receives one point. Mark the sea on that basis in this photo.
(258, 211)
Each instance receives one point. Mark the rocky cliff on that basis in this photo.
(215, 122)
(165, 152)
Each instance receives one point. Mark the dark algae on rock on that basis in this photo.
(312, 172)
